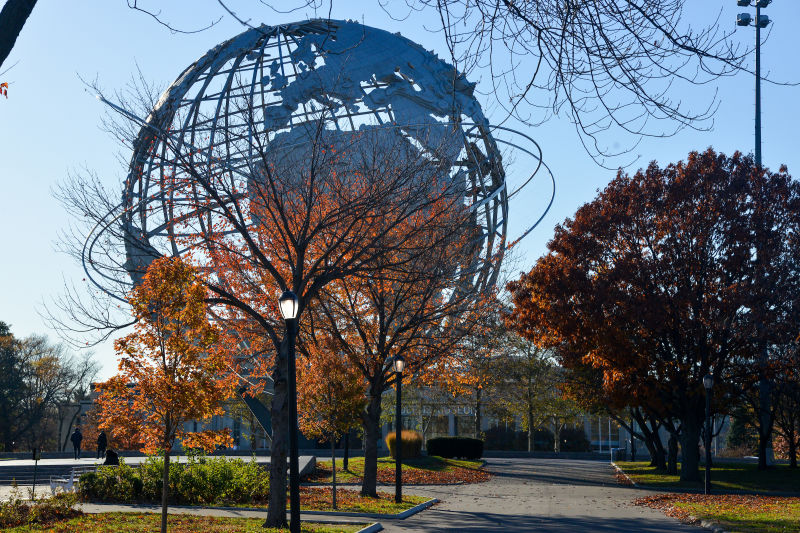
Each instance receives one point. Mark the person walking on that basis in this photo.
(102, 442)
(76, 439)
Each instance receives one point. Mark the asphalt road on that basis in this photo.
(542, 495)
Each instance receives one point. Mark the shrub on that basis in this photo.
(574, 440)
(411, 442)
(501, 438)
(17, 512)
(201, 481)
(543, 440)
(452, 447)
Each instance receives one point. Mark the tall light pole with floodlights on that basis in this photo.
(708, 382)
(761, 21)
(289, 305)
(399, 364)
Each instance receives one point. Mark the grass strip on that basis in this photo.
(740, 513)
(422, 470)
(724, 476)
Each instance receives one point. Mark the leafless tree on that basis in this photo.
(302, 209)
(612, 68)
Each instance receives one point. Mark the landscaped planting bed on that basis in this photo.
(221, 482)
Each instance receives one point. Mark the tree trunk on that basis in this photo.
(690, 457)
(672, 454)
(333, 463)
(12, 18)
(372, 432)
(478, 421)
(346, 458)
(765, 420)
(165, 492)
(793, 450)
(661, 455)
(530, 431)
(276, 512)
(557, 439)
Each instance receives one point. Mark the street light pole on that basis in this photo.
(708, 382)
(758, 86)
(762, 21)
(288, 304)
(399, 363)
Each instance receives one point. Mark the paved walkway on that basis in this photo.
(543, 495)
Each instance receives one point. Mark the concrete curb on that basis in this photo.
(372, 528)
(713, 526)
(626, 476)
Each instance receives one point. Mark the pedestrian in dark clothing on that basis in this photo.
(111, 458)
(102, 442)
(76, 439)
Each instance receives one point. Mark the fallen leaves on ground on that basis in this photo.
(415, 476)
(752, 512)
(319, 498)
(622, 479)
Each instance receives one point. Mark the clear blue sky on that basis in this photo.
(50, 124)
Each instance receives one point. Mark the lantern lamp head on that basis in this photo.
(288, 304)
(708, 381)
(399, 364)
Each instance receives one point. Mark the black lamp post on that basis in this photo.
(399, 363)
(289, 304)
(708, 382)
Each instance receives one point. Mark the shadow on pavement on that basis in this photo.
(466, 522)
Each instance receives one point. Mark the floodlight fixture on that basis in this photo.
(763, 21)
(743, 19)
(743, 3)
(763, 3)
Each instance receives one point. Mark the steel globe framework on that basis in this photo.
(264, 87)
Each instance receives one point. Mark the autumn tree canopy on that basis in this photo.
(654, 282)
(174, 368)
(330, 396)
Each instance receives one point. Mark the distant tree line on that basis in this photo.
(41, 386)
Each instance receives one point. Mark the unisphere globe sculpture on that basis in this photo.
(265, 85)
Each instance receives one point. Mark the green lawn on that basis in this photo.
(734, 512)
(750, 519)
(146, 523)
(724, 476)
(428, 469)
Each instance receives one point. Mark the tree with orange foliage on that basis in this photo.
(172, 368)
(656, 283)
(330, 397)
(415, 305)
